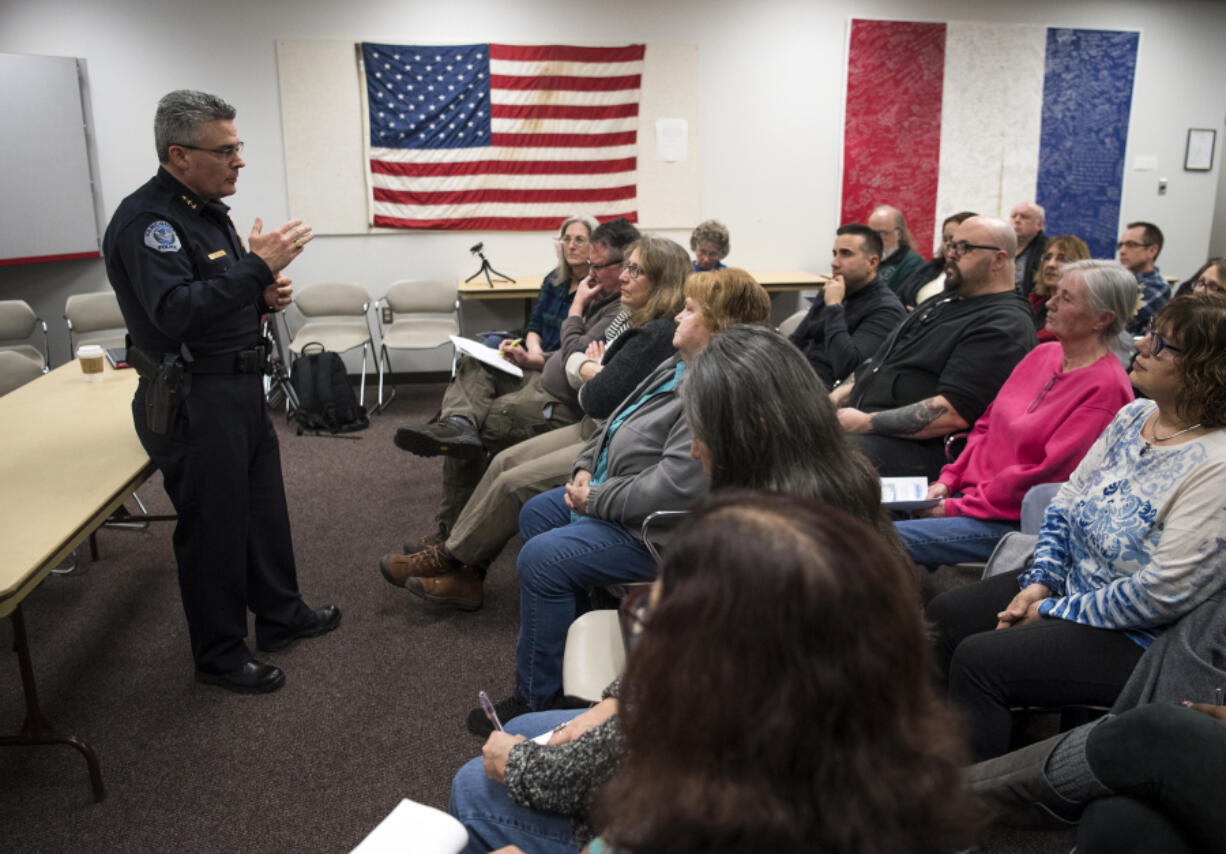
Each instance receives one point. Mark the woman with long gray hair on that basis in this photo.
(1057, 401)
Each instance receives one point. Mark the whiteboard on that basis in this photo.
(45, 179)
(321, 118)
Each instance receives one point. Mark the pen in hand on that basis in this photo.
(488, 707)
(502, 351)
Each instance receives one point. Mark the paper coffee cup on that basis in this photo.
(92, 358)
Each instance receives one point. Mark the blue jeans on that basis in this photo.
(559, 563)
(489, 815)
(951, 539)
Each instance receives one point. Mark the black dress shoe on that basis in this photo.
(321, 621)
(253, 677)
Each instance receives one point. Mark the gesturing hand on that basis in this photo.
(281, 245)
(279, 294)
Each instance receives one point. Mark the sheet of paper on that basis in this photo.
(903, 489)
(672, 140)
(488, 355)
(415, 827)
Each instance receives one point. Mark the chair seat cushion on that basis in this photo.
(420, 333)
(336, 335)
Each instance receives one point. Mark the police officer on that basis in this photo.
(193, 296)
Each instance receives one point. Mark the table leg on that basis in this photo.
(37, 729)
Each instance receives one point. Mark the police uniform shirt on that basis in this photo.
(181, 273)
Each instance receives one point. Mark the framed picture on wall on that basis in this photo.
(1199, 155)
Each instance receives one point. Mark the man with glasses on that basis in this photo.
(1027, 221)
(937, 372)
(855, 311)
(192, 296)
(1139, 247)
(485, 410)
(898, 260)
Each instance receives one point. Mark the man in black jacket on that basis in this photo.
(192, 296)
(854, 312)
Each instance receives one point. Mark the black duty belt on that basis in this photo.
(253, 360)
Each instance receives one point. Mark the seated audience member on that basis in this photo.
(1054, 405)
(1139, 247)
(711, 244)
(1027, 221)
(854, 312)
(485, 409)
(1060, 250)
(781, 748)
(453, 572)
(1130, 544)
(940, 369)
(898, 259)
(1147, 780)
(929, 279)
(1210, 278)
(746, 370)
(543, 332)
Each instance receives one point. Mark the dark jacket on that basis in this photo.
(629, 359)
(1030, 257)
(836, 338)
(577, 333)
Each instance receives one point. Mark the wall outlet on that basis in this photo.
(387, 315)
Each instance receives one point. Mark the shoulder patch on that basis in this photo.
(162, 237)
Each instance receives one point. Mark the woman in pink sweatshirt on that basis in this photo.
(1057, 401)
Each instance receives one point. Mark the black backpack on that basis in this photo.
(325, 398)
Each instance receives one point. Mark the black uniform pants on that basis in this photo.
(221, 467)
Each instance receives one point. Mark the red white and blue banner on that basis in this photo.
(942, 118)
(501, 137)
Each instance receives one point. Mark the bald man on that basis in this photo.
(942, 367)
(1027, 221)
(898, 260)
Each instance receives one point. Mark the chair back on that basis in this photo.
(16, 370)
(93, 312)
(422, 296)
(332, 299)
(17, 320)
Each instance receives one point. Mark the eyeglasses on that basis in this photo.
(226, 152)
(1206, 285)
(632, 270)
(572, 240)
(1131, 244)
(596, 266)
(961, 247)
(1038, 398)
(1157, 343)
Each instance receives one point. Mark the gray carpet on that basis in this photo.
(370, 714)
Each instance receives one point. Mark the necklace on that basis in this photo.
(1157, 438)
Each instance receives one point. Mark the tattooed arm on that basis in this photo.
(924, 419)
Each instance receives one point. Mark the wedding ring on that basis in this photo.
(297, 244)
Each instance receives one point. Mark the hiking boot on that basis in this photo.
(424, 564)
(434, 539)
(455, 436)
(461, 588)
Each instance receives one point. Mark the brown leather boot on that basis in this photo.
(432, 539)
(426, 563)
(462, 588)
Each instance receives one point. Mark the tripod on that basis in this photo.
(277, 386)
(486, 268)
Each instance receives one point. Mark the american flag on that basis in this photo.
(501, 137)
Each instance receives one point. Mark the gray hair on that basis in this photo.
(754, 400)
(712, 231)
(563, 272)
(1111, 288)
(180, 116)
(1039, 213)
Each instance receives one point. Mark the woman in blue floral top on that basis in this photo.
(1133, 541)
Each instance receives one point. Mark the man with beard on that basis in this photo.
(942, 367)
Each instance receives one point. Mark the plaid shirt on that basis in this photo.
(1155, 293)
(550, 310)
